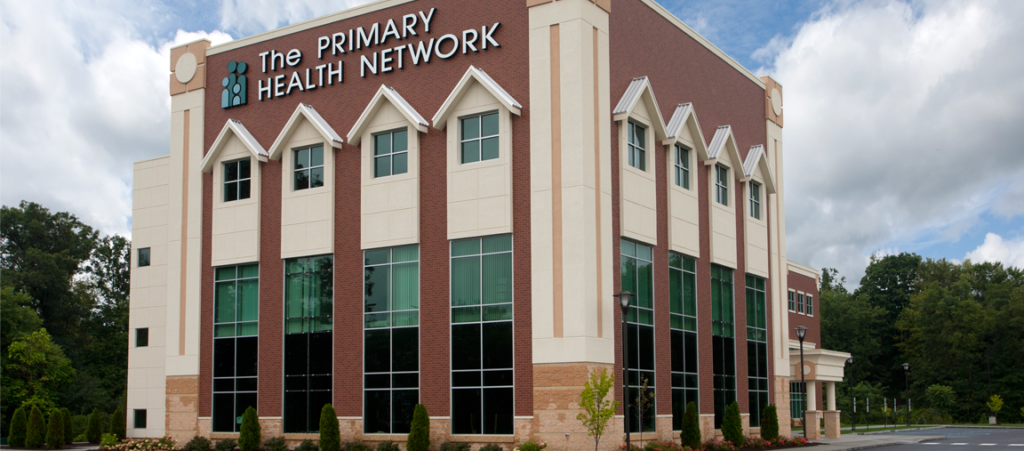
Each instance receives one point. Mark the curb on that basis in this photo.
(926, 428)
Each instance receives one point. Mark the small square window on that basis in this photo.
(390, 153)
(479, 140)
(140, 418)
(142, 337)
(143, 257)
(237, 180)
(308, 168)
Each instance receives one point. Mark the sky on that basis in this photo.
(904, 120)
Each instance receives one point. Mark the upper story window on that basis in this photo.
(391, 153)
(810, 305)
(237, 179)
(682, 167)
(755, 200)
(792, 301)
(309, 167)
(479, 137)
(800, 302)
(637, 146)
(142, 337)
(722, 184)
(143, 257)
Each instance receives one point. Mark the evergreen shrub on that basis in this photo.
(330, 434)
(356, 445)
(275, 444)
(454, 446)
(228, 444)
(249, 437)
(770, 423)
(198, 443)
(117, 424)
(690, 434)
(69, 434)
(419, 431)
(36, 435)
(55, 430)
(94, 430)
(732, 427)
(306, 445)
(386, 445)
(19, 429)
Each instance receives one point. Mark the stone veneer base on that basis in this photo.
(182, 414)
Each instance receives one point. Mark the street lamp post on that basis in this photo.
(801, 331)
(906, 385)
(624, 306)
(852, 397)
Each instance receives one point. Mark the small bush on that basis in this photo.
(690, 435)
(492, 447)
(19, 429)
(330, 435)
(81, 438)
(94, 431)
(306, 445)
(55, 430)
(69, 434)
(386, 445)
(164, 443)
(769, 423)
(79, 423)
(250, 437)
(419, 431)
(356, 445)
(198, 443)
(719, 445)
(533, 446)
(732, 427)
(453, 446)
(36, 435)
(109, 441)
(117, 424)
(228, 444)
(275, 444)
(655, 445)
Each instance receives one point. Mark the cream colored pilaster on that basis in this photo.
(777, 228)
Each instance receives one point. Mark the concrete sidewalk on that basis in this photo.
(852, 442)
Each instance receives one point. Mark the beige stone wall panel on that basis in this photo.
(390, 205)
(307, 216)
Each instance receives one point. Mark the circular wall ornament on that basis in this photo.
(185, 69)
(776, 101)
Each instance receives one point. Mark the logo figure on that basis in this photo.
(235, 85)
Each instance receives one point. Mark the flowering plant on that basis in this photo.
(164, 443)
(760, 443)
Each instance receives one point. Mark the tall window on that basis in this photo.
(721, 184)
(391, 153)
(637, 146)
(309, 167)
(482, 369)
(237, 177)
(810, 305)
(308, 351)
(479, 137)
(792, 301)
(755, 200)
(683, 319)
(723, 341)
(682, 167)
(235, 344)
(800, 302)
(391, 301)
(638, 278)
(797, 399)
(757, 349)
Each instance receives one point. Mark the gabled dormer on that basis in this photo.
(234, 159)
(640, 129)
(388, 136)
(725, 169)
(305, 147)
(686, 150)
(758, 183)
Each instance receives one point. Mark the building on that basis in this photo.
(437, 202)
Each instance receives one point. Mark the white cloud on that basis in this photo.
(902, 124)
(996, 249)
(250, 17)
(83, 99)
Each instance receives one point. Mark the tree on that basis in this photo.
(19, 429)
(55, 430)
(941, 397)
(69, 435)
(419, 430)
(888, 283)
(17, 320)
(732, 427)
(690, 435)
(37, 368)
(995, 404)
(249, 438)
(94, 431)
(119, 428)
(36, 435)
(596, 410)
(330, 435)
(770, 423)
(644, 403)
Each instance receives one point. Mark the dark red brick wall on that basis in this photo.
(808, 285)
(681, 70)
(425, 87)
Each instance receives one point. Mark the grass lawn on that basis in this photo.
(879, 428)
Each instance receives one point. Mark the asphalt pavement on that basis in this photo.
(938, 439)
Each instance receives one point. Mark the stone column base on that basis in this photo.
(782, 406)
(745, 423)
(707, 426)
(832, 424)
(812, 427)
(182, 408)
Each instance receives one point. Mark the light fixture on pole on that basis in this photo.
(906, 385)
(624, 298)
(852, 398)
(801, 332)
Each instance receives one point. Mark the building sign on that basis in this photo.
(397, 44)
(235, 85)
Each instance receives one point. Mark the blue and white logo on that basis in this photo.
(235, 85)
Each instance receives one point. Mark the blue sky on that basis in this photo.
(902, 116)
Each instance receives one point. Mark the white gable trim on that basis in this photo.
(724, 142)
(756, 159)
(685, 116)
(314, 118)
(391, 95)
(235, 128)
(440, 119)
(641, 87)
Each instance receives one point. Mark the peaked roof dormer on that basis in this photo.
(233, 128)
(314, 118)
(474, 73)
(685, 119)
(757, 158)
(641, 88)
(724, 143)
(391, 95)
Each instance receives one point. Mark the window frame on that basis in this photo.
(722, 184)
(635, 325)
(237, 181)
(637, 156)
(311, 265)
(142, 332)
(792, 301)
(809, 304)
(757, 339)
(136, 416)
(687, 330)
(144, 256)
(310, 167)
(682, 167)
(755, 199)
(723, 338)
(462, 140)
(392, 153)
(236, 281)
(800, 302)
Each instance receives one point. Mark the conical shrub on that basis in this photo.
(690, 435)
(117, 424)
(55, 430)
(419, 430)
(69, 434)
(94, 431)
(732, 428)
(19, 429)
(36, 436)
(249, 437)
(330, 435)
(769, 423)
